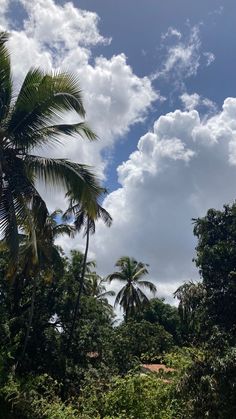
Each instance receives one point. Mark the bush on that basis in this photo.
(141, 396)
(35, 397)
(208, 387)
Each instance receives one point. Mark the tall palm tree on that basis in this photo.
(85, 218)
(26, 123)
(39, 256)
(131, 297)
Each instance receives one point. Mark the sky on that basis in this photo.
(158, 82)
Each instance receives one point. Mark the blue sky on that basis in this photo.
(136, 29)
(158, 79)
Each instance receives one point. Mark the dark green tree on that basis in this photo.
(191, 309)
(216, 260)
(139, 342)
(166, 315)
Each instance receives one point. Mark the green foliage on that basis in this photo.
(208, 387)
(191, 310)
(141, 396)
(216, 259)
(139, 341)
(159, 312)
(28, 122)
(35, 397)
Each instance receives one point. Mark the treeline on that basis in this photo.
(101, 374)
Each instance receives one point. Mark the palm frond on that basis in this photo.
(53, 134)
(149, 285)
(5, 78)
(62, 172)
(119, 296)
(116, 275)
(140, 272)
(63, 229)
(56, 131)
(142, 298)
(9, 209)
(42, 98)
(106, 294)
(124, 261)
(104, 215)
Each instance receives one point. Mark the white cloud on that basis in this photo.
(4, 4)
(190, 102)
(115, 97)
(179, 170)
(194, 101)
(63, 26)
(183, 56)
(210, 58)
(171, 32)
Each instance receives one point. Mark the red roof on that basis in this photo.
(157, 368)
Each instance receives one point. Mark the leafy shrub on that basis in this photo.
(208, 387)
(35, 397)
(141, 396)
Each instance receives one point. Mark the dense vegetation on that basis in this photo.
(63, 354)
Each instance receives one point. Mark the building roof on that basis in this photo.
(157, 368)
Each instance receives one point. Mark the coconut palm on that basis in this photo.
(131, 297)
(84, 219)
(39, 256)
(95, 286)
(191, 299)
(27, 122)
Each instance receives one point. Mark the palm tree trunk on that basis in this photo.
(31, 314)
(81, 285)
(1, 179)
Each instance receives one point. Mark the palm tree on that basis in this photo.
(191, 299)
(95, 286)
(131, 297)
(84, 219)
(39, 256)
(26, 123)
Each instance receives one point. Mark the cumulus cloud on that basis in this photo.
(179, 170)
(195, 101)
(56, 36)
(4, 4)
(63, 26)
(190, 102)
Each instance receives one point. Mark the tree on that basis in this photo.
(136, 342)
(216, 260)
(26, 123)
(131, 297)
(95, 286)
(166, 315)
(85, 218)
(40, 257)
(191, 298)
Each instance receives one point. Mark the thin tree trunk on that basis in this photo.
(1, 178)
(31, 314)
(81, 285)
